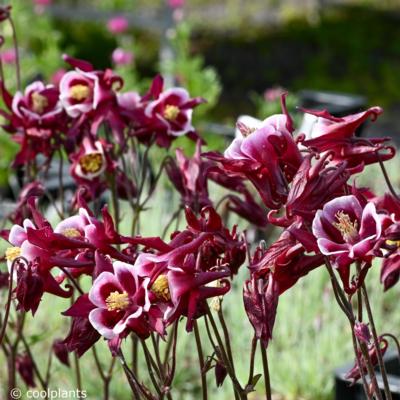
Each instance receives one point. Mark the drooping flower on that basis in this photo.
(361, 330)
(24, 366)
(268, 157)
(390, 270)
(286, 258)
(61, 351)
(260, 298)
(355, 374)
(82, 336)
(313, 185)
(338, 135)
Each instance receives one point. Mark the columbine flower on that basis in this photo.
(346, 231)
(122, 57)
(24, 365)
(338, 135)
(61, 351)
(117, 25)
(90, 162)
(361, 330)
(260, 298)
(173, 109)
(80, 92)
(313, 185)
(286, 258)
(120, 301)
(355, 374)
(267, 156)
(38, 107)
(8, 56)
(390, 271)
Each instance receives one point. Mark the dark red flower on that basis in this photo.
(355, 374)
(61, 351)
(81, 337)
(286, 258)
(260, 297)
(338, 135)
(390, 271)
(314, 185)
(24, 365)
(268, 157)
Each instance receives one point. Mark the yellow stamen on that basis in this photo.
(39, 102)
(160, 288)
(79, 92)
(348, 229)
(117, 301)
(12, 253)
(91, 163)
(248, 131)
(171, 112)
(393, 243)
(71, 232)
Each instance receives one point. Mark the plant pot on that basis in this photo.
(343, 390)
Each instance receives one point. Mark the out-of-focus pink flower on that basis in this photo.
(122, 57)
(273, 94)
(176, 3)
(118, 24)
(8, 56)
(42, 2)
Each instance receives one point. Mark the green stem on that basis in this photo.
(266, 372)
(382, 368)
(201, 361)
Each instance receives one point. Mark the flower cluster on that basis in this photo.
(127, 285)
(68, 118)
(305, 184)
